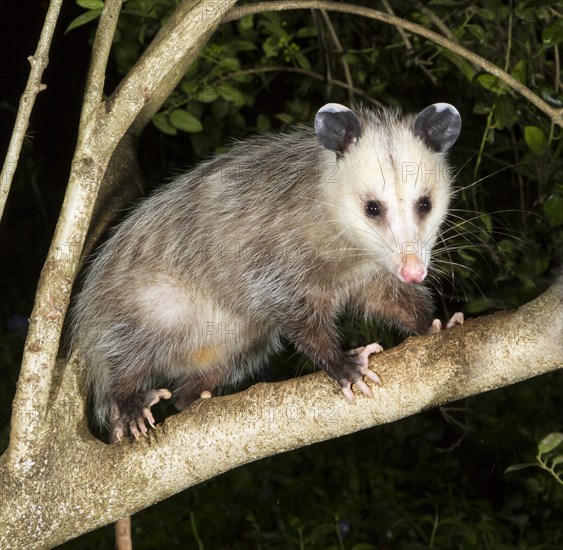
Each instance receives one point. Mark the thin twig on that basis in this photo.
(101, 49)
(323, 48)
(442, 27)
(404, 35)
(340, 50)
(38, 63)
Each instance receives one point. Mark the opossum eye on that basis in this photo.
(373, 209)
(424, 205)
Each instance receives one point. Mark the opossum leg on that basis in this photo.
(134, 409)
(317, 338)
(436, 326)
(407, 305)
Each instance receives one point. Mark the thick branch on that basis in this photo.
(38, 63)
(98, 139)
(555, 114)
(219, 434)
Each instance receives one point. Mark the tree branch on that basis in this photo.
(555, 114)
(101, 49)
(38, 63)
(219, 434)
(185, 33)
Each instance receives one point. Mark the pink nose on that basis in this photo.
(412, 270)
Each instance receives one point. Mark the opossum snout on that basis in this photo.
(412, 270)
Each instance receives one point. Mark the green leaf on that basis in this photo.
(242, 45)
(189, 87)
(552, 209)
(505, 114)
(83, 19)
(91, 4)
(517, 467)
(463, 65)
(270, 47)
(535, 139)
(302, 61)
(549, 442)
(246, 23)
(185, 121)
(145, 8)
(488, 14)
(230, 63)
(306, 32)
(477, 31)
(206, 95)
(276, 30)
(491, 83)
(557, 460)
(160, 120)
(553, 33)
(520, 71)
(230, 93)
(487, 222)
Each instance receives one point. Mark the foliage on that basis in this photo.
(546, 458)
(428, 481)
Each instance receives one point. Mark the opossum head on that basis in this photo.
(391, 187)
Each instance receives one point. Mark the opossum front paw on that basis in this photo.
(135, 410)
(436, 326)
(357, 361)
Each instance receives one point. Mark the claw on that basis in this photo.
(436, 326)
(118, 433)
(348, 393)
(457, 319)
(363, 387)
(133, 429)
(148, 415)
(371, 375)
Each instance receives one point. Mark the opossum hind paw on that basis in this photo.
(358, 367)
(135, 410)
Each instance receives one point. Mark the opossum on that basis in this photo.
(274, 239)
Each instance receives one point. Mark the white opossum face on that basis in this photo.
(391, 189)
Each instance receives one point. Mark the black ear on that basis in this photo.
(337, 127)
(438, 126)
